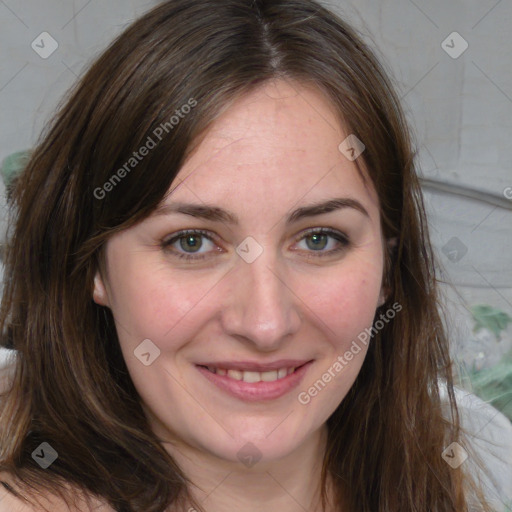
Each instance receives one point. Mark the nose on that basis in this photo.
(262, 308)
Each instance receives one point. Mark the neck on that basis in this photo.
(290, 484)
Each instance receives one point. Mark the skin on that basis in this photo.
(53, 503)
(272, 151)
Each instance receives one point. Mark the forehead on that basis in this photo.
(279, 142)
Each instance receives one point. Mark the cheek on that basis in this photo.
(149, 302)
(346, 302)
(342, 310)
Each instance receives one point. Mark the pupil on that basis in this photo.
(192, 241)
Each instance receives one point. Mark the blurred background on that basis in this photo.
(450, 62)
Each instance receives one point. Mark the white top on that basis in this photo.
(489, 434)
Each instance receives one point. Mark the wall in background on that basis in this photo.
(452, 67)
(454, 76)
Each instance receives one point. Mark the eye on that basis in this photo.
(317, 240)
(187, 244)
(189, 241)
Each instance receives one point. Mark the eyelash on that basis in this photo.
(340, 237)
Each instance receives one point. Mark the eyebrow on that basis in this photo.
(214, 213)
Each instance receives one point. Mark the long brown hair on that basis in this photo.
(71, 387)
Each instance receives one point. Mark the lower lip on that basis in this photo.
(257, 391)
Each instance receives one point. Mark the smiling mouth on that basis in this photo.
(256, 386)
(252, 376)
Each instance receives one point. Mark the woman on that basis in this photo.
(220, 283)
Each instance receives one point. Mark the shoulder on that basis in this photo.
(8, 502)
(48, 503)
(489, 438)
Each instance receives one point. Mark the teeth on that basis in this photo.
(268, 376)
(235, 374)
(252, 377)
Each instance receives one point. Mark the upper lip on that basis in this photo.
(252, 366)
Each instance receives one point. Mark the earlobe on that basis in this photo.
(99, 294)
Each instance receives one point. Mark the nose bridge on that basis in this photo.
(261, 308)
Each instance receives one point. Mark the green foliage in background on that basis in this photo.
(494, 385)
(13, 165)
(490, 318)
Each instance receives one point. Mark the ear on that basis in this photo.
(99, 294)
(386, 290)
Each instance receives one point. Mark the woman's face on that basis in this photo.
(259, 292)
